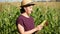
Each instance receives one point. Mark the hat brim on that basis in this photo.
(27, 5)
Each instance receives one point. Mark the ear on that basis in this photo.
(25, 8)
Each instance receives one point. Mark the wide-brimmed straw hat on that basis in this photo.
(25, 3)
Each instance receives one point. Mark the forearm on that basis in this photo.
(30, 31)
(22, 31)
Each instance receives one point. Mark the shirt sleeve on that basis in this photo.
(19, 21)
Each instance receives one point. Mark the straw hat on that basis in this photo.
(26, 3)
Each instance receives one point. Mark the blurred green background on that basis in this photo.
(41, 11)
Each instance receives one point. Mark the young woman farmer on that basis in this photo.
(25, 23)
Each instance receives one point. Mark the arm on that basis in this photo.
(21, 30)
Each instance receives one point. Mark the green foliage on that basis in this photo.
(10, 13)
(8, 19)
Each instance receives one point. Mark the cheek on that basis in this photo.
(29, 10)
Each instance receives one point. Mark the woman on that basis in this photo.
(25, 23)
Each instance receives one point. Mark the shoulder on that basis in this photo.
(19, 18)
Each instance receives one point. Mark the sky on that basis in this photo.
(16, 0)
(10, 0)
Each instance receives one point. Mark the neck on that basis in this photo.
(25, 14)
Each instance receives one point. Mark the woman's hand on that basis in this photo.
(39, 27)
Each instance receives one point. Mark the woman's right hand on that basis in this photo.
(39, 27)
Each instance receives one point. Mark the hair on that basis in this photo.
(22, 10)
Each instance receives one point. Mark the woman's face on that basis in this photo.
(28, 9)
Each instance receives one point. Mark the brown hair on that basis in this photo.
(22, 10)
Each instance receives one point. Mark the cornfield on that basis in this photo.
(9, 14)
